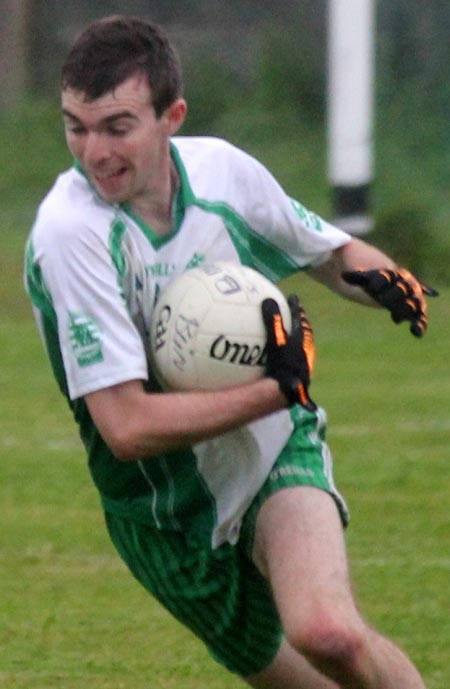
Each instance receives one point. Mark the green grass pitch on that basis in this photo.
(71, 616)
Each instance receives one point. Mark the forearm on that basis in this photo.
(182, 419)
(356, 255)
(136, 424)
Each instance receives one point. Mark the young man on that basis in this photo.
(221, 503)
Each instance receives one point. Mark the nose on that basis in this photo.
(95, 148)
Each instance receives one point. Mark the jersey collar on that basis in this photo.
(184, 197)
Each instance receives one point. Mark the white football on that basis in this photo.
(207, 328)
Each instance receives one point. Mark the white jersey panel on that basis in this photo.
(253, 193)
(100, 344)
(235, 466)
(201, 235)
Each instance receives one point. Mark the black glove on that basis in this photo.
(399, 291)
(290, 358)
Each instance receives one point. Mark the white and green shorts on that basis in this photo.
(219, 594)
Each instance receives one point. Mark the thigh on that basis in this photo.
(218, 594)
(299, 546)
(306, 460)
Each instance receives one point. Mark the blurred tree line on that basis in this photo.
(258, 68)
(412, 43)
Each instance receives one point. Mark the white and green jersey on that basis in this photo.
(93, 272)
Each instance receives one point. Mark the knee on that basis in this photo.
(332, 646)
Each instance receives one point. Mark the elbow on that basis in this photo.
(120, 415)
(122, 449)
(124, 452)
(130, 447)
(125, 447)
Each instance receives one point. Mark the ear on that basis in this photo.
(175, 115)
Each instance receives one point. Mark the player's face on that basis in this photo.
(121, 144)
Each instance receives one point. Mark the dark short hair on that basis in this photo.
(113, 49)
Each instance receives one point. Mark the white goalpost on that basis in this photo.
(350, 105)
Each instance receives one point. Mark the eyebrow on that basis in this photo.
(124, 114)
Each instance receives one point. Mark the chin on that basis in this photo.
(112, 192)
(111, 197)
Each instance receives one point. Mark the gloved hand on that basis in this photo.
(290, 358)
(399, 291)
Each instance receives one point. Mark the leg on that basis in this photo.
(299, 546)
(290, 670)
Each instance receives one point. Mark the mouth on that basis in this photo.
(108, 176)
(110, 184)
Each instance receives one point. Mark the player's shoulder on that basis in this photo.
(70, 206)
(204, 149)
(217, 169)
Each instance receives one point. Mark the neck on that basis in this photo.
(156, 208)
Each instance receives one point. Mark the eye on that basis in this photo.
(76, 129)
(118, 131)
